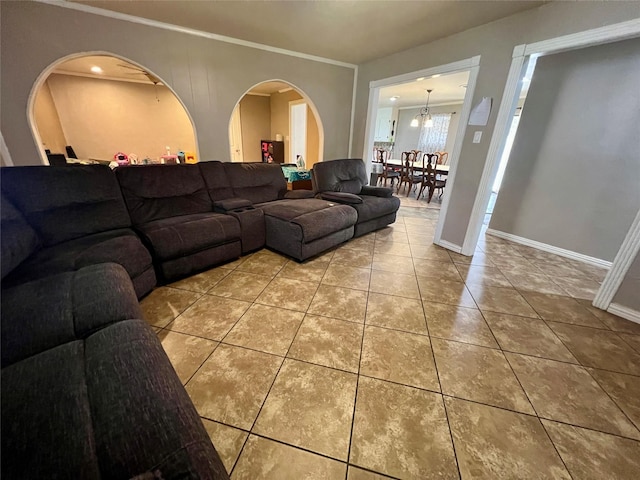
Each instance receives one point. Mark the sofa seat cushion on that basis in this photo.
(315, 218)
(53, 310)
(108, 406)
(177, 236)
(118, 246)
(374, 207)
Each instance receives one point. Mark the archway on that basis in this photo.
(263, 113)
(100, 104)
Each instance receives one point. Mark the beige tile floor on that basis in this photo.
(390, 357)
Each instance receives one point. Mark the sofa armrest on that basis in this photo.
(230, 204)
(299, 194)
(376, 191)
(341, 197)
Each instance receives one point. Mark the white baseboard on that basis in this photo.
(624, 312)
(550, 248)
(449, 246)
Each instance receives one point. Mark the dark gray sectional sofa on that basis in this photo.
(87, 390)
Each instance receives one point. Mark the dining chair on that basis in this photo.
(443, 158)
(431, 180)
(57, 159)
(388, 171)
(410, 174)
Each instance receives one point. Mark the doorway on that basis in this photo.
(276, 114)
(378, 134)
(100, 104)
(235, 136)
(297, 131)
(566, 147)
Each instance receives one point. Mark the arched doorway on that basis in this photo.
(282, 114)
(100, 104)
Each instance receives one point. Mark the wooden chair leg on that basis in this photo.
(431, 190)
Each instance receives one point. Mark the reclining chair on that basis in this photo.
(345, 181)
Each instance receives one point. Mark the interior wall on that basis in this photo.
(255, 117)
(48, 121)
(573, 177)
(494, 42)
(627, 294)
(101, 117)
(407, 137)
(207, 75)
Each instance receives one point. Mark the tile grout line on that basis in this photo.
(276, 375)
(359, 375)
(244, 444)
(435, 365)
(523, 389)
(355, 399)
(555, 447)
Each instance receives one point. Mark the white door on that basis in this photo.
(235, 136)
(297, 131)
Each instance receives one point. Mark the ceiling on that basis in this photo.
(353, 31)
(113, 68)
(446, 89)
(270, 87)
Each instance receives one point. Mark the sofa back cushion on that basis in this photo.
(17, 239)
(347, 175)
(257, 182)
(153, 192)
(216, 180)
(64, 203)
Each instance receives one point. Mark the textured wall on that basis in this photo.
(209, 76)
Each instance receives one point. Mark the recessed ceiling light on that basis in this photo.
(96, 69)
(394, 98)
(464, 85)
(419, 79)
(435, 76)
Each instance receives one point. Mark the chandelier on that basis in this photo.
(424, 114)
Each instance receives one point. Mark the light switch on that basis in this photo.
(476, 137)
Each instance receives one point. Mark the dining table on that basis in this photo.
(441, 169)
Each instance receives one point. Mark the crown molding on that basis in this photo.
(191, 31)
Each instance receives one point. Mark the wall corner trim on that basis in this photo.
(624, 312)
(353, 110)
(449, 246)
(191, 31)
(508, 105)
(551, 249)
(621, 264)
(4, 151)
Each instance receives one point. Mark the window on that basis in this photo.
(434, 139)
